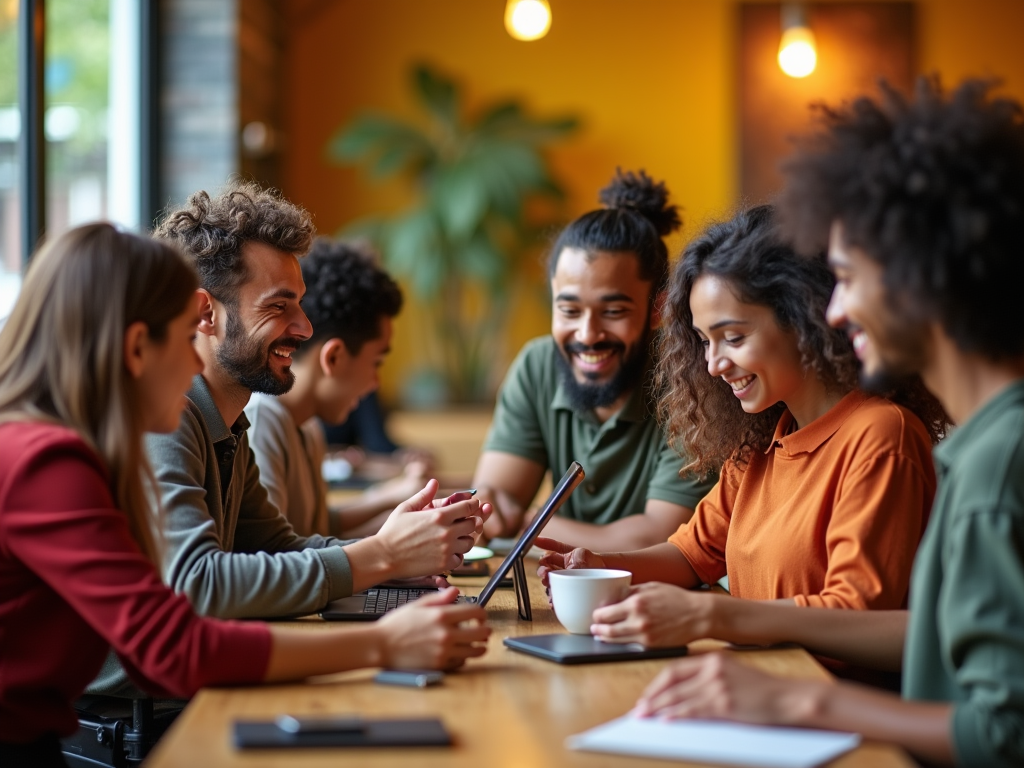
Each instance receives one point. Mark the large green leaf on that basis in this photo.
(438, 94)
(480, 259)
(493, 119)
(397, 158)
(412, 244)
(386, 144)
(417, 250)
(459, 195)
(510, 172)
(507, 121)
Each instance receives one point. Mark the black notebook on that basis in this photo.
(586, 649)
(426, 732)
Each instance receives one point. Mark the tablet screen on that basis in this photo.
(572, 477)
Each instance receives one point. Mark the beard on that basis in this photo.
(248, 360)
(905, 356)
(587, 396)
(884, 381)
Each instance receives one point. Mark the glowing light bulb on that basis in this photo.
(527, 19)
(797, 55)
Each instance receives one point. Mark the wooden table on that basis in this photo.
(503, 710)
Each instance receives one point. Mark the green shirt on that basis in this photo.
(965, 636)
(627, 459)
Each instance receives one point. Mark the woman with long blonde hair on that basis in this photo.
(97, 351)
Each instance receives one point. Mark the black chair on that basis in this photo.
(117, 733)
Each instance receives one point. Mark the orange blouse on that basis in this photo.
(830, 515)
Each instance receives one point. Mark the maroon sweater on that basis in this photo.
(73, 582)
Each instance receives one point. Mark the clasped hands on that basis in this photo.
(425, 535)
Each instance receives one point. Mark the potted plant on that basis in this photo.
(458, 245)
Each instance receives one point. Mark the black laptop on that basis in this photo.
(375, 602)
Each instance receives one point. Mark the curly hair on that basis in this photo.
(933, 190)
(347, 294)
(703, 418)
(211, 231)
(635, 218)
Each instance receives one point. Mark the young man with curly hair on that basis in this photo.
(921, 203)
(228, 548)
(350, 302)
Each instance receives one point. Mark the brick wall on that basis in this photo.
(199, 99)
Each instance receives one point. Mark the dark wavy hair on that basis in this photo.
(347, 294)
(932, 189)
(703, 418)
(211, 231)
(635, 218)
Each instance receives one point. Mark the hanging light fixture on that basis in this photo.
(527, 19)
(797, 53)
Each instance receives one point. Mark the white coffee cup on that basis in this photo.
(578, 592)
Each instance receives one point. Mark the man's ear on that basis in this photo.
(331, 354)
(136, 338)
(208, 314)
(658, 308)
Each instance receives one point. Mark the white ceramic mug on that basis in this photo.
(578, 592)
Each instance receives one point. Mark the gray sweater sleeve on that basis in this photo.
(241, 559)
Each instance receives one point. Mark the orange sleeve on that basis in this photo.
(873, 533)
(702, 540)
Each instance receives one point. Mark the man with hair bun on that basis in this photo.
(583, 392)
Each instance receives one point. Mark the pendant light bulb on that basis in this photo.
(798, 55)
(527, 19)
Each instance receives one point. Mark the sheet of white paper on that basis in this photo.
(715, 742)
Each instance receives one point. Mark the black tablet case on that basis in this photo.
(428, 732)
(585, 649)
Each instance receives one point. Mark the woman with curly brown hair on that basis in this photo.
(824, 490)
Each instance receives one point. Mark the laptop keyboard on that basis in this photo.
(382, 600)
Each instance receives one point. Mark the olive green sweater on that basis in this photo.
(965, 637)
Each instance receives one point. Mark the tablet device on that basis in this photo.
(586, 649)
(374, 603)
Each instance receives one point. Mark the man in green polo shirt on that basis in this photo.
(922, 205)
(580, 393)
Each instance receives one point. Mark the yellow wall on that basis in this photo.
(652, 80)
(972, 38)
